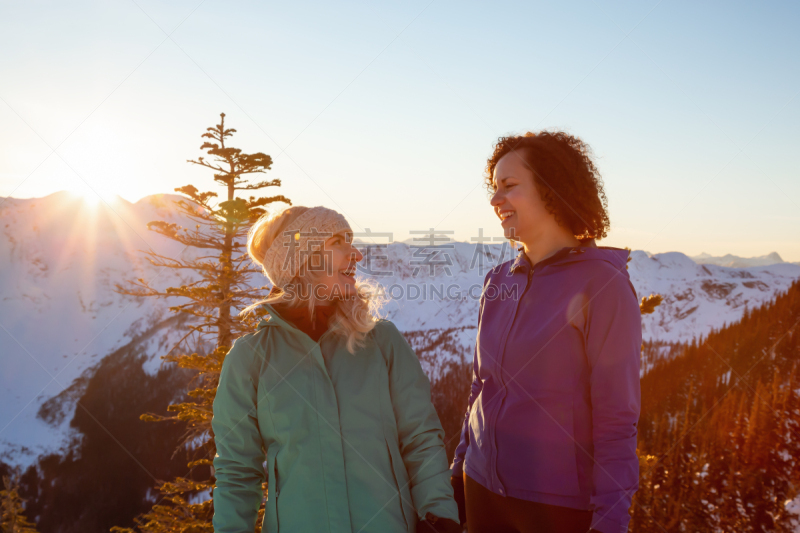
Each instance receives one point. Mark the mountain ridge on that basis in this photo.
(60, 258)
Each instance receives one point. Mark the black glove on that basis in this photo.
(434, 524)
(458, 493)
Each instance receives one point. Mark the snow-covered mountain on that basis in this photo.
(60, 258)
(729, 260)
(696, 297)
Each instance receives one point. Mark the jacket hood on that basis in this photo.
(617, 257)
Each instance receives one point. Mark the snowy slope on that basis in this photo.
(60, 259)
(700, 297)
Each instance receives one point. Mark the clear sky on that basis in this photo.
(387, 112)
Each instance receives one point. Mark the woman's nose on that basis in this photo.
(497, 198)
(356, 254)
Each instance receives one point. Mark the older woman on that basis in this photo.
(333, 399)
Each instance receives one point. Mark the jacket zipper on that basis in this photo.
(493, 425)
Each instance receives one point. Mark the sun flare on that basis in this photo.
(87, 195)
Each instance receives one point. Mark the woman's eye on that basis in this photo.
(510, 185)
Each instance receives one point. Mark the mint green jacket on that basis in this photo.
(352, 442)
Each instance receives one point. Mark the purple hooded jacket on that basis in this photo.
(555, 398)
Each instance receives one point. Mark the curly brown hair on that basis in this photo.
(564, 175)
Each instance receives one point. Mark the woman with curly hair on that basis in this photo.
(548, 443)
(324, 402)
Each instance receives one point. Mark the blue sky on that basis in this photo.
(387, 112)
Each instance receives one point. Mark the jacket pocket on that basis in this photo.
(271, 508)
(403, 491)
(536, 445)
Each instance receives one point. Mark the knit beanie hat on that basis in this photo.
(291, 249)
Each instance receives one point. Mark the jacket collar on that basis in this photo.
(273, 318)
(618, 257)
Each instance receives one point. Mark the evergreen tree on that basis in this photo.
(719, 446)
(220, 285)
(12, 511)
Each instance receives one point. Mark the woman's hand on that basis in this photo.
(458, 493)
(434, 524)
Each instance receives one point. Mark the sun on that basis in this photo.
(88, 196)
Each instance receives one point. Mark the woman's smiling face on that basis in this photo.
(333, 268)
(516, 200)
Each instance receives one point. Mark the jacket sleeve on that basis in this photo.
(457, 468)
(419, 429)
(613, 347)
(238, 463)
